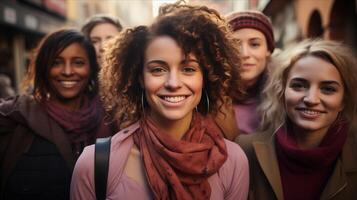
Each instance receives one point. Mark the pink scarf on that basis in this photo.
(179, 169)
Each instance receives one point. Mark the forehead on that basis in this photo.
(248, 33)
(314, 69)
(103, 29)
(74, 50)
(165, 48)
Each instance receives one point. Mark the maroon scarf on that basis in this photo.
(179, 169)
(82, 125)
(304, 173)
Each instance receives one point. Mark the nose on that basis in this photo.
(312, 97)
(244, 50)
(100, 46)
(67, 69)
(173, 81)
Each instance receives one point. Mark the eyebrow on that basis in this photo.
(94, 37)
(256, 38)
(327, 82)
(164, 63)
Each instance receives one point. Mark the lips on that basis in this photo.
(247, 65)
(174, 99)
(310, 113)
(68, 84)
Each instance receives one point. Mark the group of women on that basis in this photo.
(178, 91)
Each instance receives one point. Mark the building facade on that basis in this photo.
(22, 24)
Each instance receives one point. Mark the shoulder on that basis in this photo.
(9, 105)
(234, 174)
(234, 151)
(11, 110)
(246, 141)
(117, 142)
(124, 134)
(236, 162)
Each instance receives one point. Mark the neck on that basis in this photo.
(175, 128)
(71, 105)
(307, 139)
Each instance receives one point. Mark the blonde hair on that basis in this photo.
(272, 106)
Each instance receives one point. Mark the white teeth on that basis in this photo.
(174, 99)
(310, 112)
(68, 84)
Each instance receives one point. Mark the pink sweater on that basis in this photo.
(231, 181)
(247, 117)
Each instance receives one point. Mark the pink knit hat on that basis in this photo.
(256, 20)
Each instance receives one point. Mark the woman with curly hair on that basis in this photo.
(43, 133)
(308, 129)
(162, 83)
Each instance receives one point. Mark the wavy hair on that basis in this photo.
(272, 107)
(196, 29)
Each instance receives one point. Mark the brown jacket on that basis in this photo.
(21, 120)
(265, 182)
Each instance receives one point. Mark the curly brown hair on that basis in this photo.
(196, 29)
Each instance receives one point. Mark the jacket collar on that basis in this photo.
(347, 162)
(266, 155)
(43, 125)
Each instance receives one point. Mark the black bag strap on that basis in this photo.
(101, 166)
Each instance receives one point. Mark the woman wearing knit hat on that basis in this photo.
(254, 30)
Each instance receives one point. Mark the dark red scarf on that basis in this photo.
(82, 125)
(304, 173)
(179, 169)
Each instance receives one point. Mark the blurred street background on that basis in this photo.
(24, 22)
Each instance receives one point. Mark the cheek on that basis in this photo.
(262, 59)
(291, 99)
(86, 72)
(96, 47)
(336, 103)
(151, 84)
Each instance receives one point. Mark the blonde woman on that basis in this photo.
(307, 148)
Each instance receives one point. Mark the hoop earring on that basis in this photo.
(48, 96)
(91, 85)
(207, 102)
(142, 101)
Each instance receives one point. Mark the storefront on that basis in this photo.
(22, 24)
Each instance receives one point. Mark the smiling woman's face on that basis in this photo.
(313, 94)
(254, 53)
(69, 75)
(172, 83)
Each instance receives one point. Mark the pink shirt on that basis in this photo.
(231, 181)
(247, 117)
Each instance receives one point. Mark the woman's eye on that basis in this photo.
(255, 44)
(297, 86)
(95, 41)
(157, 70)
(189, 69)
(79, 62)
(56, 62)
(328, 89)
